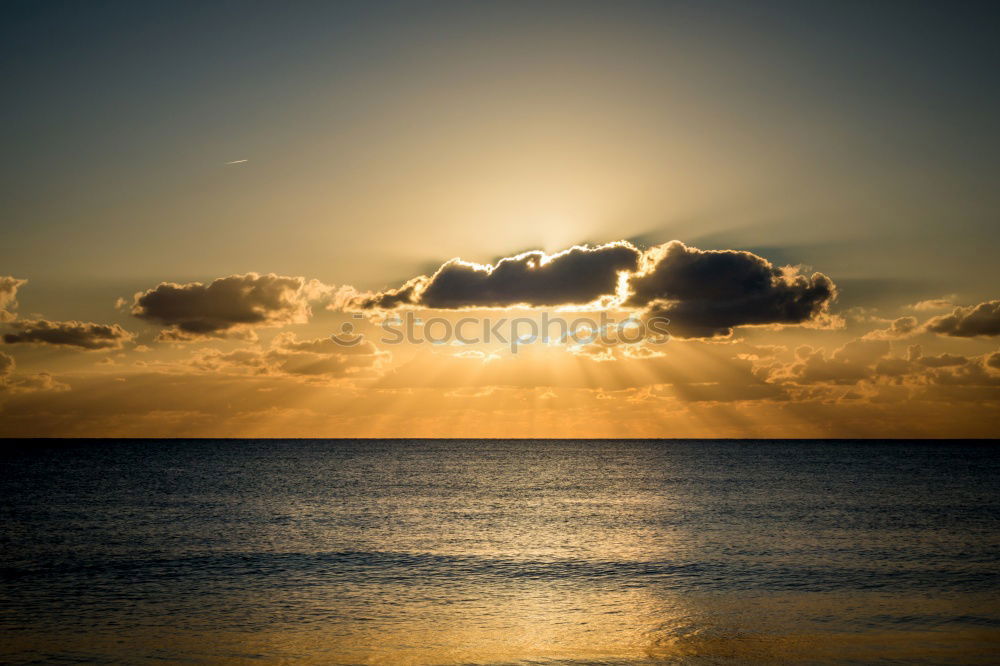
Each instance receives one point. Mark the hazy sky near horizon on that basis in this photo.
(364, 144)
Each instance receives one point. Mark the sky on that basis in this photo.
(194, 197)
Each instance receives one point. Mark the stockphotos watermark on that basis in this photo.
(512, 331)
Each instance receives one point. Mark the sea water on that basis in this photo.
(499, 551)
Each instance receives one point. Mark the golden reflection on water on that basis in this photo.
(537, 624)
(531, 514)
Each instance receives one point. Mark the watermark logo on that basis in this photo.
(347, 337)
(513, 332)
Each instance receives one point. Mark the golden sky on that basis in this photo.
(194, 199)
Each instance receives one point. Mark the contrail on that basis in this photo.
(236, 162)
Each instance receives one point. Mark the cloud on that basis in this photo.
(898, 328)
(934, 304)
(289, 356)
(85, 335)
(326, 346)
(708, 293)
(943, 361)
(847, 365)
(41, 381)
(915, 354)
(614, 350)
(227, 307)
(975, 373)
(8, 296)
(703, 293)
(865, 364)
(11, 383)
(576, 276)
(968, 322)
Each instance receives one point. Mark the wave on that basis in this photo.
(388, 567)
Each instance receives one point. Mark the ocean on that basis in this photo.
(499, 552)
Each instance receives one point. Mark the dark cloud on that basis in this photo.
(85, 335)
(575, 276)
(969, 322)
(229, 306)
(993, 360)
(708, 293)
(8, 296)
(703, 293)
(393, 298)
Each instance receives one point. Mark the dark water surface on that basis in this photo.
(469, 551)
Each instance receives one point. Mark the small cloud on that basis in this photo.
(969, 322)
(237, 162)
(903, 327)
(8, 296)
(475, 353)
(229, 307)
(943, 303)
(85, 335)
